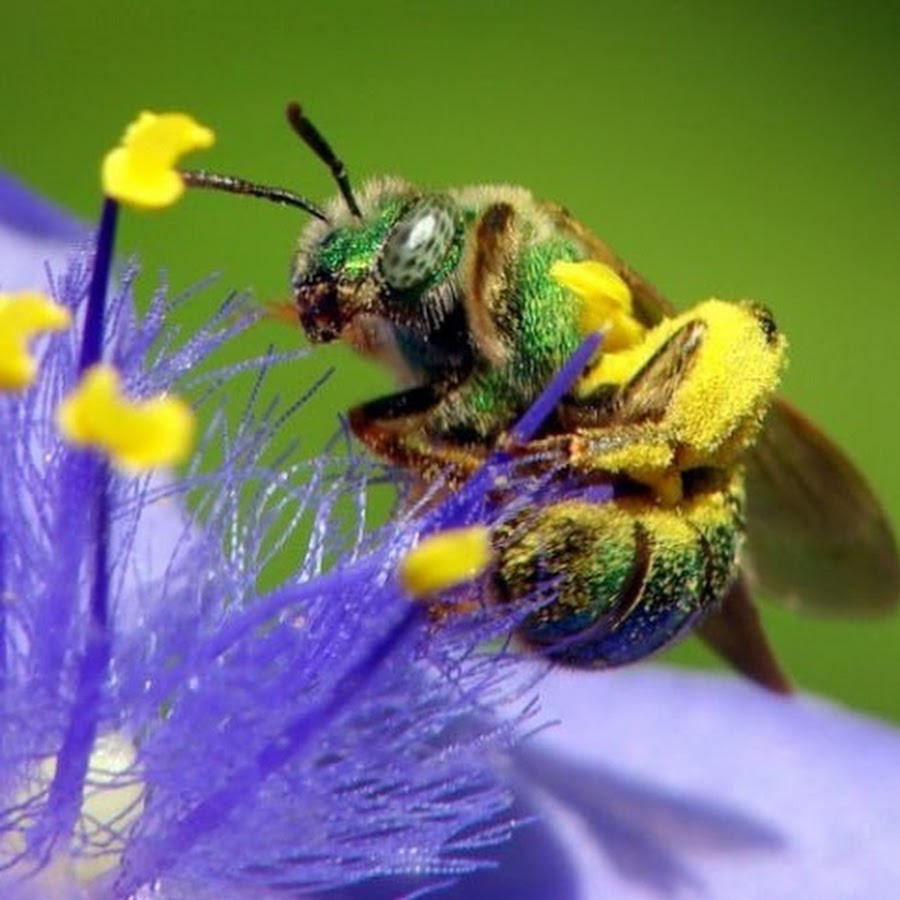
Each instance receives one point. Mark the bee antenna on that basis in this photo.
(312, 137)
(233, 185)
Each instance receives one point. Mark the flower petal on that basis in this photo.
(33, 234)
(663, 781)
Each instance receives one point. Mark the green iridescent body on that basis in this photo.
(474, 335)
(627, 577)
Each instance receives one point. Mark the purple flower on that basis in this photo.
(324, 735)
(34, 235)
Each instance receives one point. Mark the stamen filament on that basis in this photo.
(525, 429)
(73, 758)
(92, 339)
(209, 813)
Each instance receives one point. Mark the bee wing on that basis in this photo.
(818, 538)
(734, 631)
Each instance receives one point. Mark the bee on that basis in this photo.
(475, 297)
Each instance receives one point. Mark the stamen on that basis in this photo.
(135, 435)
(92, 338)
(606, 301)
(142, 170)
(21, 317)
(72, 761)
(525, 429)
(446, 559)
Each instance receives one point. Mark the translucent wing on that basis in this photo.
(818, 537)
(734, 631)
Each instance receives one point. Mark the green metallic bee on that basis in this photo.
(475, 297)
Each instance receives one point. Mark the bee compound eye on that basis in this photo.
(417, 244)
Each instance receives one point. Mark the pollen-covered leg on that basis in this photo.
(626, 577)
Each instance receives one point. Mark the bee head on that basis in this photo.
(377, 270)
(395, 264)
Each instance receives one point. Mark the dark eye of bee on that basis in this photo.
(417, 244)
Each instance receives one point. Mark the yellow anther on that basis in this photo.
(606, 301)
(446, 559)
(135, 435)
(141, 171)
(21, 317)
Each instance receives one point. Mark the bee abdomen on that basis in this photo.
(624, 578)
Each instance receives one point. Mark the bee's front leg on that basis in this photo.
(395, 429)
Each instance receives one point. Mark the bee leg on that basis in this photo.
(647, 396)
(734, 632)
(387, 426)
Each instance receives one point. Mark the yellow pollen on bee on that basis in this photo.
(135, 435)
(141, 170)
(606, 301)
(22, 316)
(722, 393)
(446, 559)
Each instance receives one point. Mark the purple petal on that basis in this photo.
(662, 782)
(31, 214)
(33, 235)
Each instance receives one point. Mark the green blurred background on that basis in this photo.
(730, 149)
